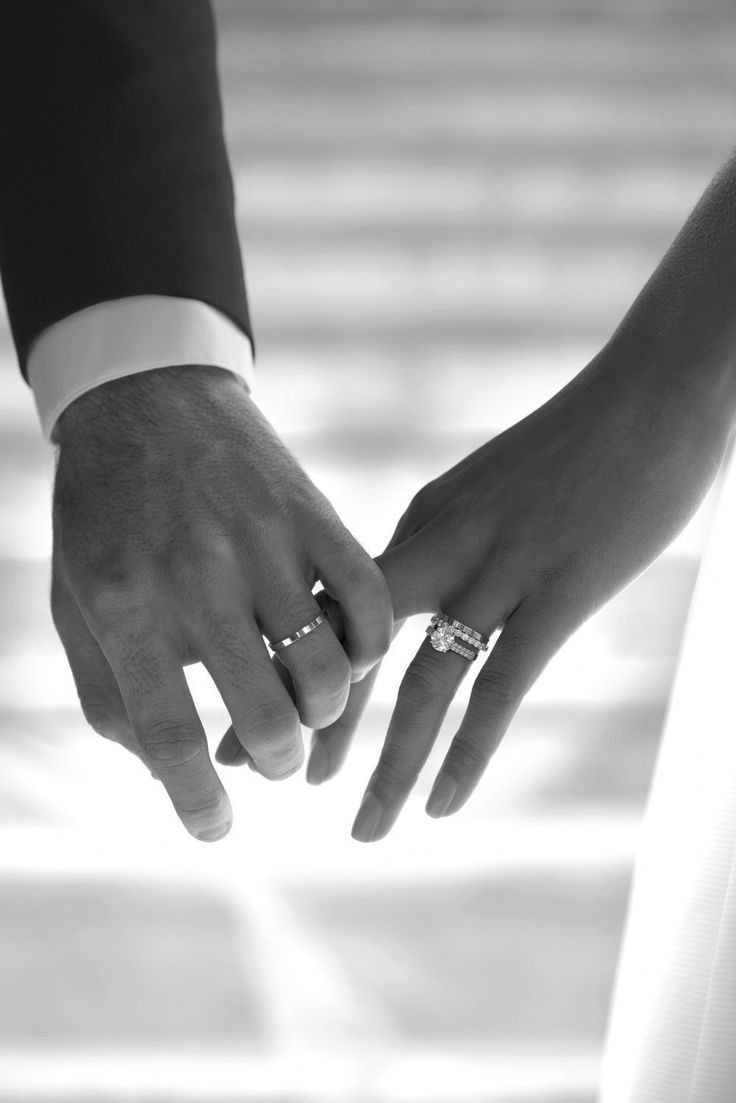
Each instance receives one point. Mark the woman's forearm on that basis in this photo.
(680, 333)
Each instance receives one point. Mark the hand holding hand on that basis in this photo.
(183, 531)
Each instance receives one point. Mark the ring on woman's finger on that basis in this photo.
(447, 634)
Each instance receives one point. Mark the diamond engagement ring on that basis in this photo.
(469, 634)
(288, 640)
(447, 634)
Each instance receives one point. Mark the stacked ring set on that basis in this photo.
(446, 634)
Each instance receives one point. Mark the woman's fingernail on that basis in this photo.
(212, 834)
(368, 819)
(318, 765)
(440, 799)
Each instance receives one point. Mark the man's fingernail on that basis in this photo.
(368, 819)
(318, 765)
(212, 834)
(357, 676)
(441, 797)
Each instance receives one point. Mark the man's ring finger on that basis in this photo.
(279, 645)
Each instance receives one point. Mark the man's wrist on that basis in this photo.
(133, 403)
(124, 336)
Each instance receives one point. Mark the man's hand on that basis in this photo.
(184, 531)
(532, 533)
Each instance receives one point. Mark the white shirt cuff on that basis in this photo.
(118, 338)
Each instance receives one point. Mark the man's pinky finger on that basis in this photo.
(97, 689)
(530, 638)
(173, 742)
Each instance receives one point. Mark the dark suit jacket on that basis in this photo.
(114, 178)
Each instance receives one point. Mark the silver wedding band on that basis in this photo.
(279, 645)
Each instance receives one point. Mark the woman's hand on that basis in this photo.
(540, 527)
(532, 533)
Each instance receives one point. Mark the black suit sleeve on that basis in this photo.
(114, 178)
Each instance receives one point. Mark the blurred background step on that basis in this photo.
(487, 958)
(116, 963)
(110, 963)
(561, 1076)
(444, 209)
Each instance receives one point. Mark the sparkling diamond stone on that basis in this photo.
(442, 637)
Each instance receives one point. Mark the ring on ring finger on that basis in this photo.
(448, 634)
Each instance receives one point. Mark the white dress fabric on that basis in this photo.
(672, 1028)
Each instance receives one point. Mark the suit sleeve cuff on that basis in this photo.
(118, 338)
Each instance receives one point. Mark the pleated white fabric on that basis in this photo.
(672, 1029)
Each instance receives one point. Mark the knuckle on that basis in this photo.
(359, 575)
(269, 720)
(199, 563)
(369, 583)
(467, 756)
(271, 735)
(423, 680)
(106, 601)
(320, 710)
(497, 690)
(462, 516)
(280, 760)
(99, 556)
(328, 674)
(396, 772)
(166, 743)
(367, 579)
